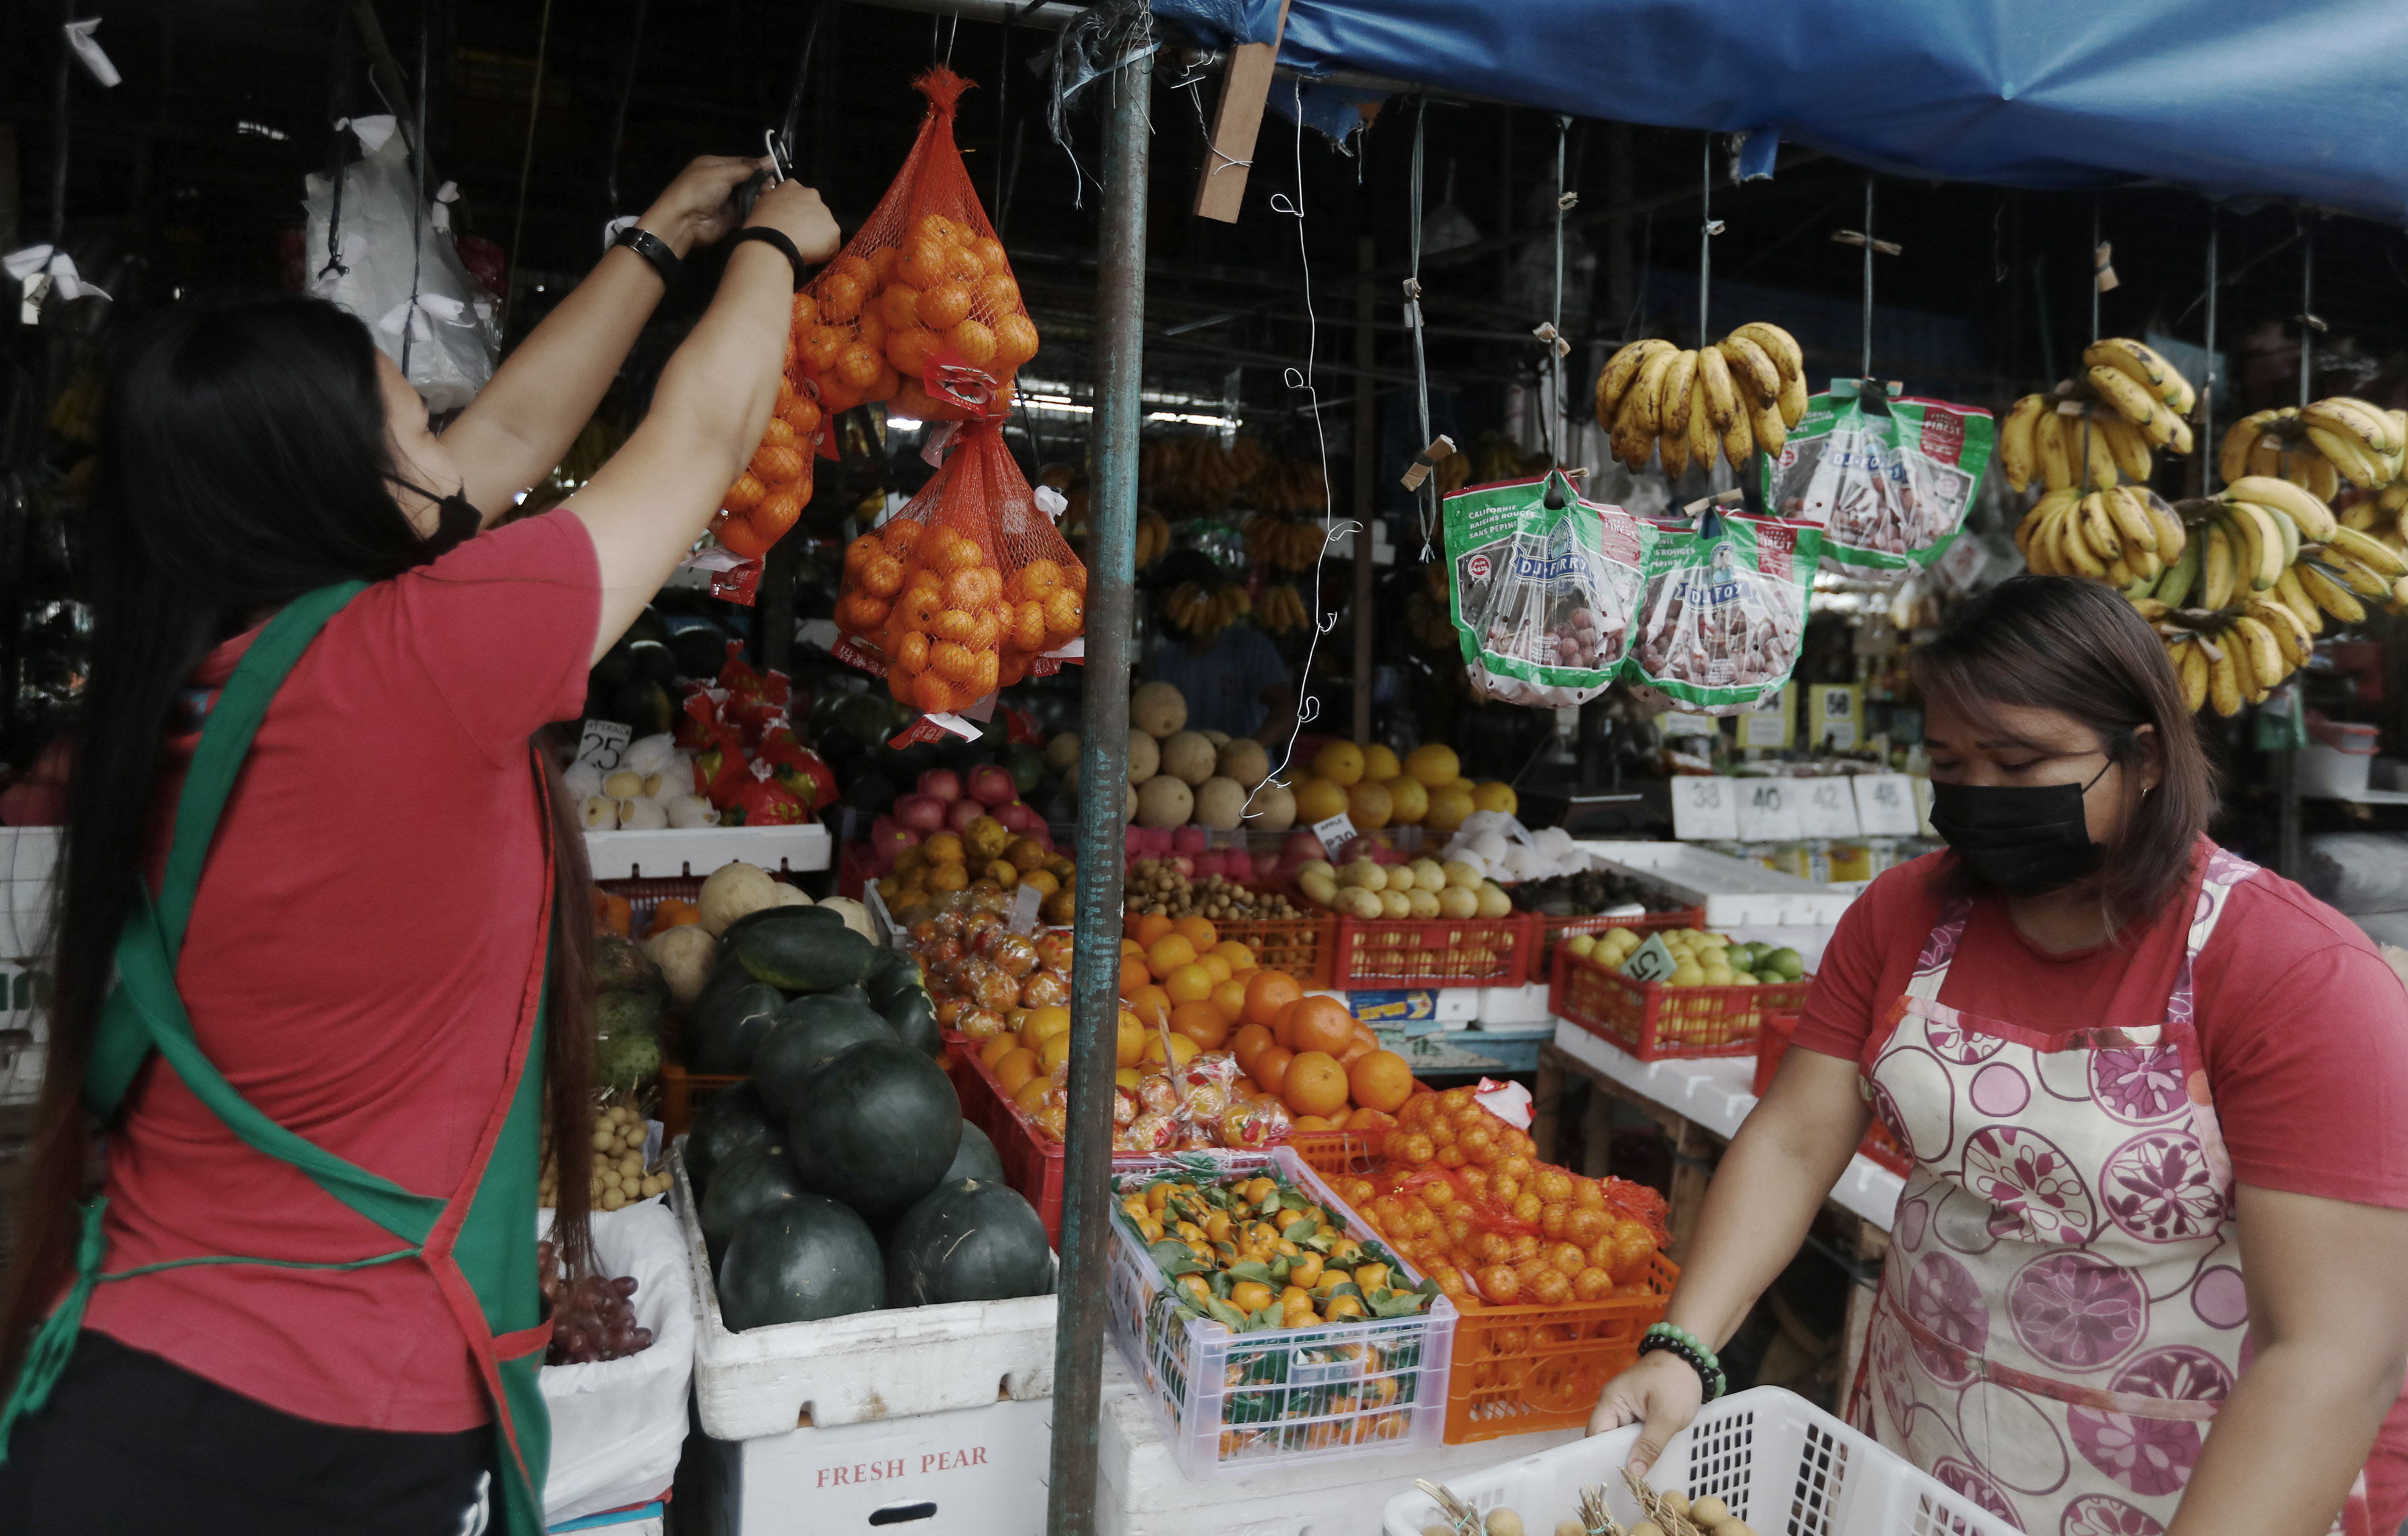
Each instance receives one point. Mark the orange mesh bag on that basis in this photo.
(1044, 585)
(921, 309)
(770, 495)
(925, 594)
(1462, 1195)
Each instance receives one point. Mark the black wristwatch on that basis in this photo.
(777, 241)
(651, 248)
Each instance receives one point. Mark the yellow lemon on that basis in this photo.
(1434, 765)
(1319, 799)
(1341, 762)
(1379, 763)
(1496, 796)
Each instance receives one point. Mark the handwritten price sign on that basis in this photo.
(1885, 805)
(1705, 808)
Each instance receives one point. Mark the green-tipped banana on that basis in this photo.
(2143, 367)
(2182, 575)
(2293, 596)
(2132, 402)
(2316, 520)
(2330, 595)
(2371, 553)
(2356, 464)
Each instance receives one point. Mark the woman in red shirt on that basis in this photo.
(309, 893)
(2157, 1100)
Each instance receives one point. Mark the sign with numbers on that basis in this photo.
(1835, 715)
(1651, 962)
(1826, 808)
(1767, 810)
(1688, 725)
(601, 744)
(1704, 808)
(1769, 725)
(1885, 805)
(1335, 834)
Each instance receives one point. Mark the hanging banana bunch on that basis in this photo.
(2100, 429)
(1742, 393)
(1280, 610)
(1204, 610)
(1287, 544)
(2319, 445)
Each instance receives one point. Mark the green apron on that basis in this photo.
(480, 1244)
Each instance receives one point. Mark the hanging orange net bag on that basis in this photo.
(769, 496)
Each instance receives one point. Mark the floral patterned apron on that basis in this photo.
(2062, 1310)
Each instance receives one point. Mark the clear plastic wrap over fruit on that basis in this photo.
(1544, 587)
(1725, 611)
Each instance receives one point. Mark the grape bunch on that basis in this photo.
(593, 1317)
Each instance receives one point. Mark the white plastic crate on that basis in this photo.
(1231, 1403)
(975, 1471)
(667, 853)
(1782, 1464)
(871, 1365)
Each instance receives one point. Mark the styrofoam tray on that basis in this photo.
(1731, 890)
(673, 852)
(872, 1365)
(1510, 1007)
(1780, 1463)
(1713, 1092)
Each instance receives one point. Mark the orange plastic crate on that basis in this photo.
(1654, 1022)
(1551, 930)
(1521, 1370)
(1400, 952)
(1773, 1043)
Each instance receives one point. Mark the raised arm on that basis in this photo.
(650, 503)
(522, 420)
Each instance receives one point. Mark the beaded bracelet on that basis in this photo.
(1690, 1348)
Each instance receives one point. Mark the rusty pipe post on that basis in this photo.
(1103, 791)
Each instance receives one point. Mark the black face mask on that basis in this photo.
(2026, 840)
(456, 521)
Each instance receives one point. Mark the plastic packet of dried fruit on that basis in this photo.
(1544, 586)
(1887, 481)
(1725, 611)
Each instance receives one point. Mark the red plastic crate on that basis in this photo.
(1298, 945)
(1656, 1023)
(855, 867)
(1551, 930)
(1773, 1043)
(1400, 952)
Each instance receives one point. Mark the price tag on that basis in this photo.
(1024, 909)
(1704, 809)
(1826, 808)
(1767, 725)
(602, 744)
(1335, 834)
(1651, 962)
(1768, 811)
(1885, 805)
(1689, 725)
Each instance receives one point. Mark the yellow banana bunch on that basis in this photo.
(2236, 657)
(2102, 428)
(1281, 610)
(2122, 536)
(1152, 538)
(1287, 542)
(1740, 395)
(2319, 445)
(1204, 611)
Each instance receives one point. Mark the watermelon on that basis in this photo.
(796, 1261)
(976, 1157)
(914, 1019)
(876, 1128)
(804, 957)
(809, 1031)
(731, 1121)
(967, 1239)
(751, 1179)
(893, 973)
(779, 915)
(727, 1037)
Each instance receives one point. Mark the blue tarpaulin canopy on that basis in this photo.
(2235, 99)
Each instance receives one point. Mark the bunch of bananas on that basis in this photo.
(2233, 656)
(1281, 610)
(1289, 544)
(1204, 610)
(2318, 445)
(2102, 427)
(1742, 393)
(2120, 535)
(1495, 457)
(1152, 538)
(1295, 487)
(1195, 475)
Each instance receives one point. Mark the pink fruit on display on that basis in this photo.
(961, 813)
(923, 812)
(991, 786)
(944, 783)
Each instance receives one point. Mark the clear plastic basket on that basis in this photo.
(1238, 1403)
(1778, 1462)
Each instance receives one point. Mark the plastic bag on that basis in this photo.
(1889, 482)
(1542, 596)
(618, 1425)
(921, 309)
(1725, 611)
(453, 341)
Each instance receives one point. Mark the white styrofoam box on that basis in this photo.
(671, 852)
(1731, 890)
(1715, 1093)
(618, 1426)
(28, 855)
(1513, 1004)
(1141, 1492)
(973, 1472)
(871, 1365)
(1779, 1463)
(24, 1029)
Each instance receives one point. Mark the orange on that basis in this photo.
(1283, 1027)
(1496, 796)
(1014, 1068)
(1032, 1093)
(1151, 1005)
(1369, 807)
(1134, 976)
(1318, 800)
(1381, 1080)
(1313, 1122)
(1052, 1054)
(1362, 1043)
(1183, 1049)
(1341, 762)
(1150, 928)
(1197, 932)
(1366, 1118)
(1168, 953)
(1412, 802)
(1214, 963)
(1315, 1083)
(1249, 1044)
(1189, 983)
(1433, 765)
(1131, 1046)
(1237, 955)
(1201, 1022)
(1378, 762)
(1267, 993)
(1044, 1024)
(1230, 998)
(1270, 1068)
(1320, 1025)
(998, 1048)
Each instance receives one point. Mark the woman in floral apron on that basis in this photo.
(2149, 1271)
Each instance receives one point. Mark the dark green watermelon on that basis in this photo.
(773, 915)
(976, 1157)
(893, 973)
(748, 1180)
(797, 1262)
(725, 1038)
(876, 1128)
(967, 1239)
(726, 979)
(913, 1019)
(851, 994)
(809, 1032)
(729, 1121)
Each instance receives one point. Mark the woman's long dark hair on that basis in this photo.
(243, 461)
(2078, 647)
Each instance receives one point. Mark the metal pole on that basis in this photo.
(59, 126)
(2208, 453)
(1366, 449)
(1103, 790)
(1868, 279)
(1706, 243)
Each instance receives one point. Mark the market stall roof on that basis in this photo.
(2230, 98)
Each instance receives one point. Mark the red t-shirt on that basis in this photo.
(359, 950)
(2303, 1025)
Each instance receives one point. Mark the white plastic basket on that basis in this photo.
(1237, 1403)
(1782, 1464)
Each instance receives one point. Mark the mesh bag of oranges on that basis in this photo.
(921, 309)
(960, 592)
(769, 496)
(1462, 1195)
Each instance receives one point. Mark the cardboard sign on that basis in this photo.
(1826, 808)
(1770, 726)
(1704, 808)
(1651, 962)
(1335, 834)
(602, 744)
(1767, 810)
(1885, 805)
